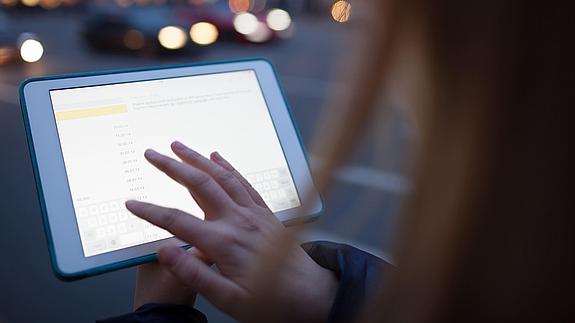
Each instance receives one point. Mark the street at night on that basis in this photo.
(308, 65)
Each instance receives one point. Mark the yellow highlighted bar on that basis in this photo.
(91, 112)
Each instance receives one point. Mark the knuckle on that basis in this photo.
(229, 167)
(245, 181)
(169, 219)
(226, 177)
(233, 238)
(228, 237)
(189, 272)
(200, 179)
(190, 154)
(247, 222)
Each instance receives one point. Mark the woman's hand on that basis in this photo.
(263, 273)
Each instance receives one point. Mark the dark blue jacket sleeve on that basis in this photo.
(360, 275)
(160, 313)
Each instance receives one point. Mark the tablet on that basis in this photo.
(87, 134)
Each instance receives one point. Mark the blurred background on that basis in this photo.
(305, 40)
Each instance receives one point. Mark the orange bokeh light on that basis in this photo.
(239, 5)
(341, 11)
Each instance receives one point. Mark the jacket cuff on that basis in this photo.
(359, 274)
(160, 313)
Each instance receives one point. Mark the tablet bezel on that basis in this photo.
(60, 224)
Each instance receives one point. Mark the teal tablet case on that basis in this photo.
(139, 260)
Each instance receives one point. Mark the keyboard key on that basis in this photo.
(122, 216)
(104, 208)
(114, 206)
(102, 220)
(113, 217)
(92, 222)
(111, 230)
(100, 233)
(83, 211)
(94, 210)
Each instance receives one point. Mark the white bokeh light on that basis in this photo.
(278, 19)
(246, 23)
(261, 34)
(31, 50)
(204, 33)
(172, 37)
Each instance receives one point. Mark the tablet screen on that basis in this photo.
(104, 131)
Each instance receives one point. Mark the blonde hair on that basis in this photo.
(485, 233)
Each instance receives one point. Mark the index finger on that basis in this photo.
(210, 195)
(182, 225)
(222, 176)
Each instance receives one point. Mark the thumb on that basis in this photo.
(199, 277)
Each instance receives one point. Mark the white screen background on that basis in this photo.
(104, 131)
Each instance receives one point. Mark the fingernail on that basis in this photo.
(168, 256)
(178, 145)
(217, 156)
(151, 154)
(130, 204)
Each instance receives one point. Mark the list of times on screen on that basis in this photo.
(104, 131)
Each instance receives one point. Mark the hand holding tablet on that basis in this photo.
(88, 133)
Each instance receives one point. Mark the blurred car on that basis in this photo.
(266, 25)
(146, 29)
(18, 47)
(159, 28)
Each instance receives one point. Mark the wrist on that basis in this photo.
(319, 292)
(156, 285)
(328, 284)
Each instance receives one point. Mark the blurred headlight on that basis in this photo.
(278, 20)
(172, 37)
(246, 23)
(31, 50)
(204, 33)
(30, 3)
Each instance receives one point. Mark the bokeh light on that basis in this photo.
(31, 50)
(246, 23)
(204, 33)
(6, 54)
(50, 4)
(261, 34)
(30, 3)
(134, 39)
(172, 37)
(8, 3)
(238, 6)
(278, 19)
(341, 11)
